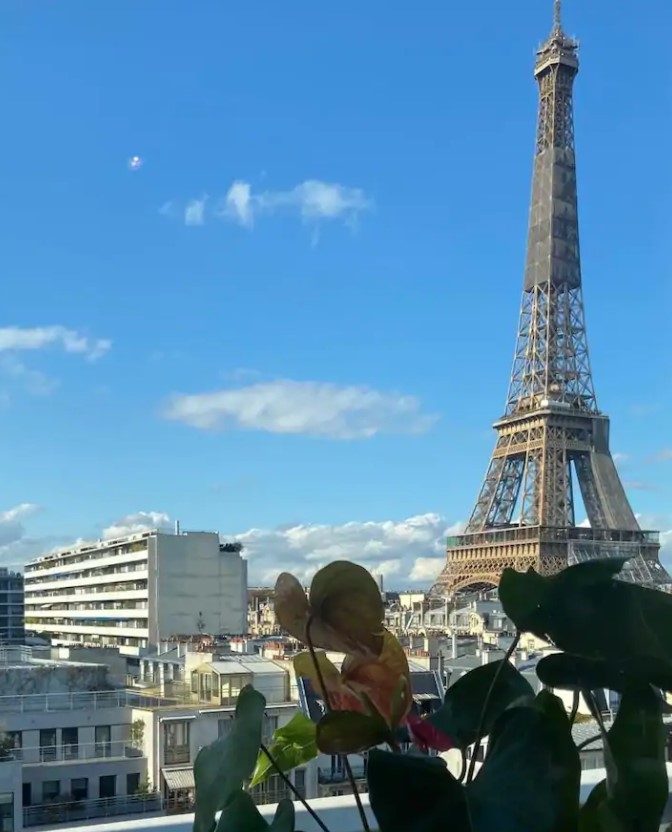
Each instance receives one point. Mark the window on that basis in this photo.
(103, 741)
(300, 781)
(6, 812)
(70, 741)
(176, 741)
(79, 788)
(51, 789)
(27, 794)
(133, 782)
(194, 682)
(107, 785)
(47, 744)
(269, 725)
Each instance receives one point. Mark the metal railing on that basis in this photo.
(92, 701)
(68, 810)
(71, 752)
(327, 775)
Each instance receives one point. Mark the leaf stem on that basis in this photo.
(327, 705)
(297, 794)
(575, 708)
(486, 703)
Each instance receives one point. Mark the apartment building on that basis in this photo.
(66, 744)
(11, 607)
(207, 685)
(133, 591)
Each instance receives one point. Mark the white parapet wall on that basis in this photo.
(338, 813)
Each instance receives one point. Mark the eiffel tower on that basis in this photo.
(552, 434)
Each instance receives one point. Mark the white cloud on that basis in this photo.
(313, 201)
(16, 547)
(19, 339)
(620, 457)
(195, 211)
(388, 547)
(15, 340)
(302, 407)
(238, 204)
(141, 521)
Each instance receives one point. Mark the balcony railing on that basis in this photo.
(72, 752)
(90, 701)
(328, 776)
(65, 810)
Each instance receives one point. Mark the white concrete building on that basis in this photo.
(66, 743)
(133, 591)
(208, 686)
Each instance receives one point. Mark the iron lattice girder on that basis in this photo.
(552, 428)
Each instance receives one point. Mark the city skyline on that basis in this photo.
(240, 361)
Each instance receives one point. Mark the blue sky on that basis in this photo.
(362, 278)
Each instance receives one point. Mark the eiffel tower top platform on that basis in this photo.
(552, 437)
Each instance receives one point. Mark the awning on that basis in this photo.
(178, 778)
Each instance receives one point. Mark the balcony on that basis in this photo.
(73, 752)
(64, 810)
(42, 702)
(327, 776)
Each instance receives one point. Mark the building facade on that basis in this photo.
(66, 748)
(11, 607)
(133, 591)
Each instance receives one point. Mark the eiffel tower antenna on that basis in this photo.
(557, 15)
(552, 434)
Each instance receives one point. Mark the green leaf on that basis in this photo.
(586, 612)
(350, 732)
(221, 768)
(639, 791)
(410, 793)
(459, 716)
(531, 776)
(345, 599)
(284, 818)
(529, 782)
(567, 672)
(293, 745)
(242, 815)
(523, 595)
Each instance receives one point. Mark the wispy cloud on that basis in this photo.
(313, 201)
(141, 521)
(302, 407)
(194, 213)
(620, 457)
(665, 455)
(18, 339)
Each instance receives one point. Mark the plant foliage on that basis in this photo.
(608, 634)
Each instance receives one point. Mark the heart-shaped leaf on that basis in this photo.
(584, 611)
(293, 745)
(350, 732)
(460, 715)
(530, 779)
(410, 793)
(528, 783)
(346, 601)
(636, 789)
(344, 610)
(242, 815)
(221, 768)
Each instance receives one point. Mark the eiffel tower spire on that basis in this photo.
(552, 433)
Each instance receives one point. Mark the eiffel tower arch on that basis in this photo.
(552, 434)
